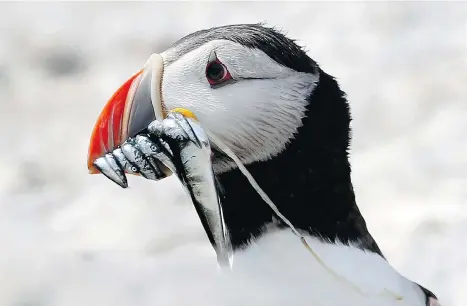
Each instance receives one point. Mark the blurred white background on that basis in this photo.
(70, 238)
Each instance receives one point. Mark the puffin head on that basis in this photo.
(248, 84)
(259, 93)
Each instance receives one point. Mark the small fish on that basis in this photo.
(157, 149)
(139, 160)
(124, 163)
(109, 166)
(176, 145)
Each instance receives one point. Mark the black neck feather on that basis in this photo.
(309, 181)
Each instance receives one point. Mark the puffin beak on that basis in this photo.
(129, 111)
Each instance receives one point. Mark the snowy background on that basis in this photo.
(69, 238)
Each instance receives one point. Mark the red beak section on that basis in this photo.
(129, 111)
(107, 132)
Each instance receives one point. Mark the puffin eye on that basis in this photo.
(216, 72)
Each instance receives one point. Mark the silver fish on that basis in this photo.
(137, 158)
(109, 166)
(161, 159)
(194, 151)
(181, 145)
(124, 163)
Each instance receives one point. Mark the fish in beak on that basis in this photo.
(135, 129)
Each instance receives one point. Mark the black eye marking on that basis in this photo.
(217, 73)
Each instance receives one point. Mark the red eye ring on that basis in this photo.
(217, 73)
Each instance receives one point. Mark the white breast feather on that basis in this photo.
(277, 270)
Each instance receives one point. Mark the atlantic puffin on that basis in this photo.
(288, 122)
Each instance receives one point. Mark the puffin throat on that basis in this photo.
(309, 181)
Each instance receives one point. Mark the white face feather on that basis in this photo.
(255, 117)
